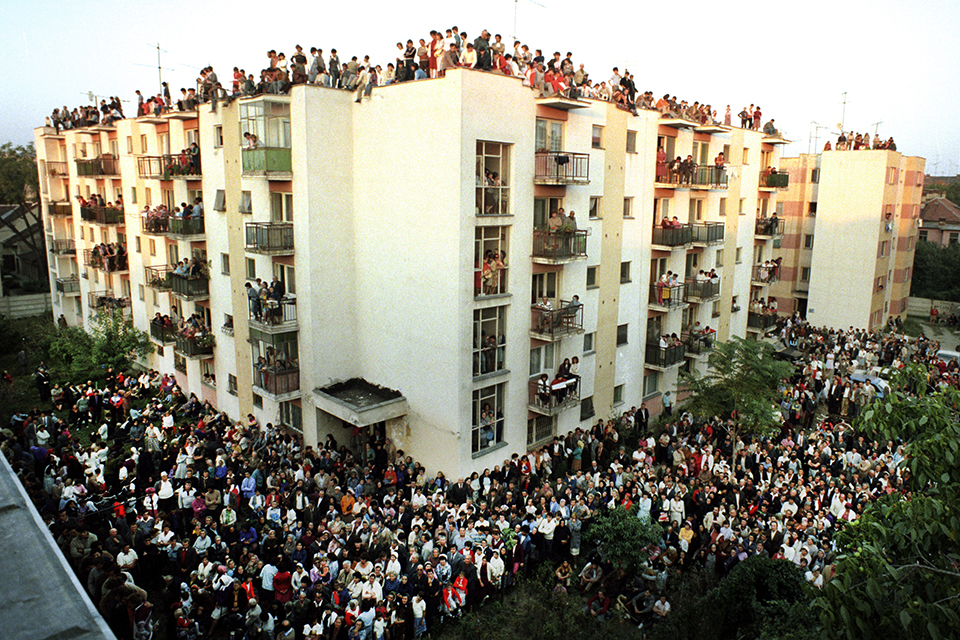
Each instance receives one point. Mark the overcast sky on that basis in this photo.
(897, 61)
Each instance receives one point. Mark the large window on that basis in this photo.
(541, 428)
(489, 342)
(543, 208)
(549, 135)
(281, 207)
(586, 409)
(487, 417)
(490, 261)
(268, 120)
(493, 178)
(541, 360)
(291, 417)
(651, 383)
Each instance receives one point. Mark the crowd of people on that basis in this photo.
(237, 526)
(157, 218)
(850, 141)
(110, 257)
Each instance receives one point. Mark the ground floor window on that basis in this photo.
(487, 417)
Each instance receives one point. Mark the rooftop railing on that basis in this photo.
(561, 168)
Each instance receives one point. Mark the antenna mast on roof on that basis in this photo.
(843, 114)
(516, 4)
(815, 137)
(876, 127)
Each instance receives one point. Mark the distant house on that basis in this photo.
(940, 222)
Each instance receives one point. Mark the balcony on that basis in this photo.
(59, 209)
(97, 167)
(762, 275)
(270, 238)
(707, 233)
(162, 333)
(768, 228)
(706, 176)
(102, 215)
(562, 395)
(167, 167)
(552, 325)
(159, 278)
(778, 180)
(278, 316)
(194, 347)
(561, 168)
(761, 322)
(63, 247)
(185, 228)
(267, 162)
(697, 344)
(701, 290)
(68, 286)
(154, 225)
(554, 247)
(106, 300)
(667, 298)
(662, 358)
(107, 264)
(275, 381)
(190, 287)
(57, 169)
(672, 237)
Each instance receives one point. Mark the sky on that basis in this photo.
(897, 62)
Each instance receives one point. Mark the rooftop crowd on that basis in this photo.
(239, 526)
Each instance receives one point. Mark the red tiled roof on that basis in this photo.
(940, 208)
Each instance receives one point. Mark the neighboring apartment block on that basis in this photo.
(851, 226)
(377, 217)
(940, 222)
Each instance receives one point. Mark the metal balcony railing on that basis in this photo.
(63, 246)
(185, 227)
(697, 344)
(276, 316)
(106, 300)
(697, 176)
(158, 277)
(59, 209)
(189, 287)
(154, 225)
(162, 333)
(275, 381)
(761, 321)
(556, 247)
(673, 236)
(663, 357)
(700, 290)
(707, 232)
(108, 264)
(765, 274)
(668, 297)
(561, 168)
(770, 227)
(270, 238)
(68, 286)
(266, 160)
(556, 323)
(57, 169)
(167, 167)
(102, 215)
(777, 180)
(195, 347)
(560, 396)
(102, 166)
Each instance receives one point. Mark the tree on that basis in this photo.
(19, 183)
(936, 272)
(743, 376)
(898, 566)
(113, 342)
(623, 538)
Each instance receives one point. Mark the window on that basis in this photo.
(251, 269)
(287, 275)
(723, 206)
(208, 374)
(695, 211)
(739, 258)
(618, 394)
(225, 264)
(804, 274)
(624, 272)
(923, 236)
(596, 140)
(136, 243)
(631, 141)
(715, 309)
(291, 417)
(153, 247)
(490, 261)
(815, 175)
(218, 136)
(141, 292)
(143, 143)
(595, 207)
(541, 360)
(544, 285)
(808, 241)
(540, 428)
(257, 400)
(179, 362)
(954, 238)
(812, 209)
(487, 417)
(661, 208)
(493, 178)
(743, 206)
(228, 323)
(891, 175)
(588, 342)
(628, 207)
(148, 197)
(220, 201)
(130, 144)
(746, 156)
(543, 208)
(622, 331)
(281, 207)
(246, 202)
(549, 135)
(884, 248)
(268, 120)
(718, 262)
(133, 195)
(592, 277)
(489, 345)
(586, 409)
(651, 383)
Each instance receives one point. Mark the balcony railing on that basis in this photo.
(185, 227)
(266, 160)
(68, 286)
(276, 382)
(697, 344)
(158, 277)
(106, 300)
(57, 169)
(63, 247)
(777, 180)
(707, 232)
(553, 324)
(270, 238)
(699, 176)
(673, 236)
(701, 290)
(102, 166)
(276, 316)
(162, 333)
(167, 167)
(60, 209)
(556, 247)
(667, 297)
(108, 264)
(154, 225)
(190, 287)
(765, 274)
(561, 167)
(102, 215)
(562, 395)
(195, 347)
(769, 227)
(658, 357)
(761, 321)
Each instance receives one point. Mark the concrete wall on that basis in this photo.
(36, 304)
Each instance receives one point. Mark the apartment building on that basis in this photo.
(851, 227)
(377, 218)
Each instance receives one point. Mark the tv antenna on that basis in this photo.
(815, 138)
(516, 5)
(843, 114)
(876, 127)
